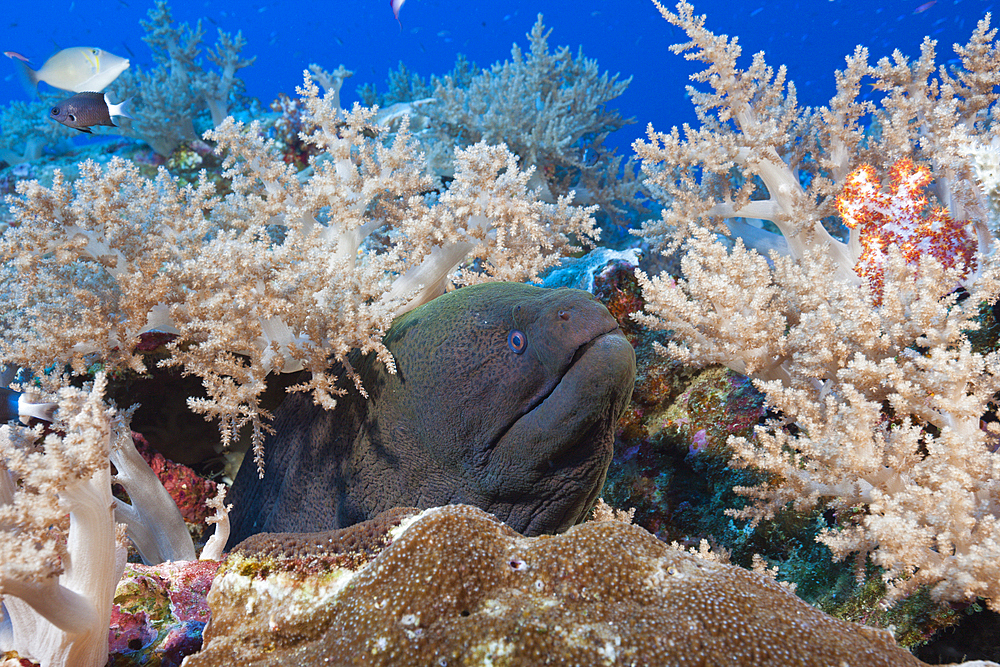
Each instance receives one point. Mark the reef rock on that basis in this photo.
(159, 613)
(455, 586)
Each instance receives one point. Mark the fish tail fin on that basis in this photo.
(123, 108)
(29, 79)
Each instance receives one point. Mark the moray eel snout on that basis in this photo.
(557, 453)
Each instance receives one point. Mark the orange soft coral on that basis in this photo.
(898, 217)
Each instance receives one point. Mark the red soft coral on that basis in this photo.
(899, 217)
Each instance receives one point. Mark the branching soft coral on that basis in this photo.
(550, 109)
(898, 218)
(878, 375)
(758, 156)
(169, 96)
(287, 271)
(27, 130)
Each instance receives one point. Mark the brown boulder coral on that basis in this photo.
(455, 586)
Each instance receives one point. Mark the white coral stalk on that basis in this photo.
(216, 544)
(58, 594)
(155, 525)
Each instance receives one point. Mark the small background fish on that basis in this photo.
(77, 69)
(84, 110)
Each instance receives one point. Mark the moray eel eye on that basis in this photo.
(517, 341)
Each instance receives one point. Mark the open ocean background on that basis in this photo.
(811, 37)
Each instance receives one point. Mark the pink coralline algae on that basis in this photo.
(617, 288)
(159, 613)
(153, 341)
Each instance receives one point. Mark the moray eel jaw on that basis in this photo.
(554, 458)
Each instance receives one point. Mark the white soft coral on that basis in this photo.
(61, 553)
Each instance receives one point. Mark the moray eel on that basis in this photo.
(505, 397)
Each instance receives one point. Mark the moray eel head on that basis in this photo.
(513, 393)
(505, 397)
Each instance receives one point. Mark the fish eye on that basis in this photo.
(517, 341)
(55, 111)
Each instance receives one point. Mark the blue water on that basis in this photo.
(811, 37)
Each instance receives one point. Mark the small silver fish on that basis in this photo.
(76, 69)
(84, 110)
(396, 5)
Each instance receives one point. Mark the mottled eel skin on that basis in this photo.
(505, 397)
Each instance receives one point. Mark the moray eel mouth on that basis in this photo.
(570, 371)
(597, 374)
(567, 433)
(586, 347)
